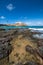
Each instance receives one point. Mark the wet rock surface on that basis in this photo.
(40, 51)
(2, 29)
(29, 49)
(31, 63)
(24, 47)
(5, 46)
(5, 49)
(19, 64)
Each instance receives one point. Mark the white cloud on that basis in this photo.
(19, 22)
(2, 17)
(10, 7)
(34, 22)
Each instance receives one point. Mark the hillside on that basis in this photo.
(19, 24)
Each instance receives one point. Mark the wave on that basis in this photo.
(36, 28)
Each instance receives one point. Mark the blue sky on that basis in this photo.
(26, 11)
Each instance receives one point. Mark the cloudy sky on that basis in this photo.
(26, 11)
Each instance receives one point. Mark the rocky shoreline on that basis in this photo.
(9, 43)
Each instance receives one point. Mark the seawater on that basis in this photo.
(33, 28)
(12, 27)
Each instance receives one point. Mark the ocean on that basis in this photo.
(39, 28)
(12, 27)
(32, 28)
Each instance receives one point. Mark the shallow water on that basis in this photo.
(12, 27)
(32, 28)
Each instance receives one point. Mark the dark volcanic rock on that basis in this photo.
(2, 29)
(40, 43)
(40, 51)
(29, 49)
(11, 62)
(5, 48)
(19, 64)
(31, 63)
